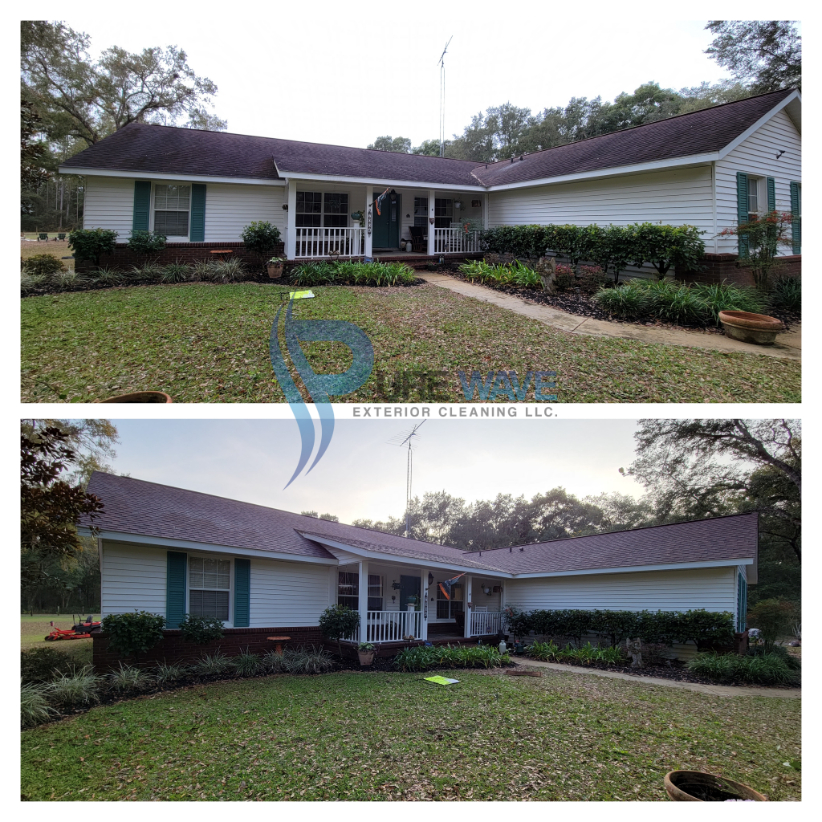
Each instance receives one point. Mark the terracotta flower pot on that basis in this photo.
(366, 658)
(275, 270)
(698, 786)
(752, 328)
(141, 396)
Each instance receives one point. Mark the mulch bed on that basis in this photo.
(583, 305)
(676, 671)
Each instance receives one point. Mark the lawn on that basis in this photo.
(209, 343)
(33, 629)
(53, 246)
(384, 736)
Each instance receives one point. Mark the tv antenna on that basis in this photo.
(441, 64)
(406, 439)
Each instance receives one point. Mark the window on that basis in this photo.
(443, 213)
(755, 185)
(374, 592)
(316, 209)
(209, 584)
(348, 590)
(420, 211)
(171, 207)
(448, 609)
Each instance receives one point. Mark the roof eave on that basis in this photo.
(794, 96)
(379, 181)
(668, 566)
(156, 175)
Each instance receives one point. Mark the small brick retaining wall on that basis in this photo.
(173, 648)
(728, 268)
(123, 257)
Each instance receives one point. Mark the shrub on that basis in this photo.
(565, 278)
(629, 301)
(247, 664)
(423, 658)
(590, 279)
(667, 247)
(339, 622)
(129, 679)
(43, 664)
(212, 665)
(787, 293)
(727, 297)
(344, 272)
(146, 242)
(773, 617)
(273, 662)
(777, 650)
(767, 669)
(223, 271)
(164, 673)
(545, 651)
(146, 273)
(675, 302)
(759, 242)
(306, 661)
(34, 707)
(108, 277)
(43, 265)
(133, 633)
(74, 690)
(176, 272)
(91, 243)
(261, 238)
(201, 629)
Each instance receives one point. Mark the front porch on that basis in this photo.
(327, 220)
(402, 605)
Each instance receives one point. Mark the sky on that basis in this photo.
(347, 73)
(363, 476)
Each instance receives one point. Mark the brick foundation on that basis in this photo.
(123, 257)
(173, 648)
(728, 268)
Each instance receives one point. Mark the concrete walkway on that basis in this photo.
(713, 690)
(788, 345)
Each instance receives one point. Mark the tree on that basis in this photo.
(33, 155)
(430, 148)
(388, 143)
(766, 55)
(87, 99)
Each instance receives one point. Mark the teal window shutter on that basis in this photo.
(796, 226)
(742, 210)
(741, 602)
(771, 194)
(142, 205)
(242, 593)
(175, 588)
(196, 233)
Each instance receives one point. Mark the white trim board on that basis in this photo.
(185, 178)
(340, 178)
(673, 566)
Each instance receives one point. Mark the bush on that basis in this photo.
(176, 272)
(133, 633)
(261, 238)
(727, 297)
(777, 650)
(91, 243)
(787, 293)
(201, 629)
(423, 658)
(767, 669)
(128, 679)
(146, 242)
(34, 707)
(146, 273)
(74, 690)
(629, 301)
(222, 271)
(591, 279)
(43, 664)
(108, 277)
(675, 302)
(352, 273)
(212, 665)
(164, 673)
(773, 617)
(46, 266)
(667, 247)
(306, 661)
(339, 622)
(272, 662)
(247, 664)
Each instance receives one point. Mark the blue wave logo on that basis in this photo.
(319, 386)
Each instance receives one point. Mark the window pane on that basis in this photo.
(443, 213)
(304, 220)
(420, 211)
(336, 203)
(336, 220)
(209, 603)
(171, 223)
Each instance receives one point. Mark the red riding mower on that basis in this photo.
(80, 630)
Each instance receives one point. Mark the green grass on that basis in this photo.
(33, 629)
(392, 736)
(209, 343)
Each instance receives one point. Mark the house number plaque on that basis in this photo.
(368, 221)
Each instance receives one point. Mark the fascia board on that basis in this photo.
(757, 125)
(673, 566)
(296, 176)
(153, 175)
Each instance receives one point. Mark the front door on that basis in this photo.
(386, 225)
(409, 587)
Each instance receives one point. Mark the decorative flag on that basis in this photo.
(446, 586)
(379, 200)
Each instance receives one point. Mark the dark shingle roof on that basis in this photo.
(144, 149)
(699, 132)
(134, 506)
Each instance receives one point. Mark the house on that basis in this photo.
(710, 168)
(267, 572)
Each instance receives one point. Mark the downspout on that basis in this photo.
(713, 203)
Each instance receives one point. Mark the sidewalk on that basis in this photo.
(713, 690)
(788, 345)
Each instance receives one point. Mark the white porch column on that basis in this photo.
(485, 208)
(369, 221)
(469, 608)
(363, 601)
(424, 604)
(291, 222)
(431, 199)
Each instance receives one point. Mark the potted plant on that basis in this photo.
(275, 267)
(698, 786)
(746, 326)
(366, 651)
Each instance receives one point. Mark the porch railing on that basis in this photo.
(322, 242)
(486, 622)
(455, 241)
(393, 626)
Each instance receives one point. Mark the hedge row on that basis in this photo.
(616, 626)
(612, 247)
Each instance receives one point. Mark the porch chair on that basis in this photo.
(419, 242)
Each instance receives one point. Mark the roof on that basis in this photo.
(143, 149)
(133, 506)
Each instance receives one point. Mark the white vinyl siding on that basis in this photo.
(133, 578)
(287, 594)
(109, 204)
(756, 156)
(230, 208)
